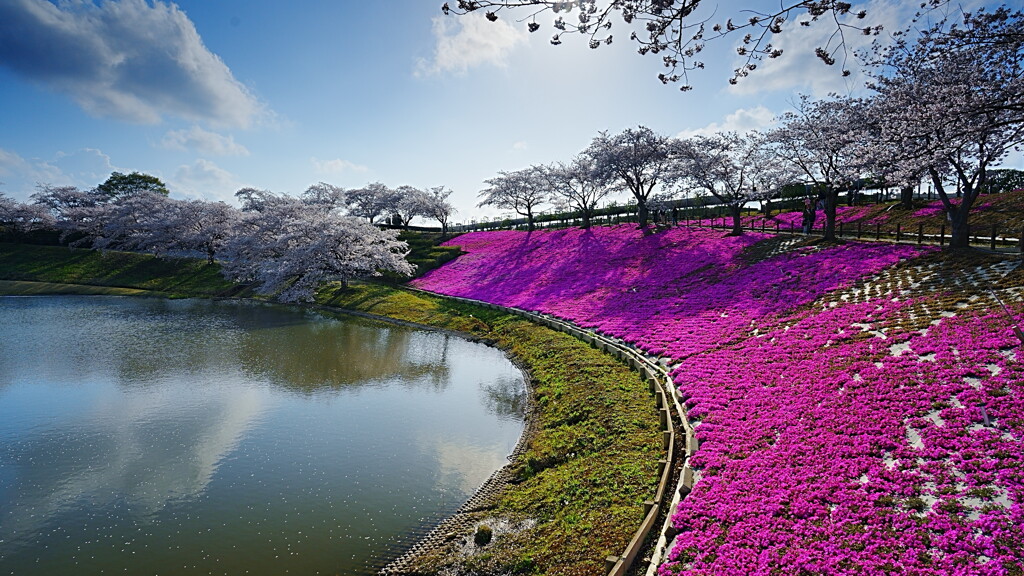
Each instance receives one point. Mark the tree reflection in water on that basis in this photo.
(505, 398)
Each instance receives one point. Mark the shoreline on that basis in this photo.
(438, 541)
(460, 521)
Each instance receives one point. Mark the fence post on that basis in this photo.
(942, 235)
(858, 229)
(878, 231)
(994, 236)
(840, 234)
(899, 234)
(920, 233)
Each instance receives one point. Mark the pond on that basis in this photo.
(148, 436)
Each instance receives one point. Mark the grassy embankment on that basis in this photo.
(30, 269)
(588, 468)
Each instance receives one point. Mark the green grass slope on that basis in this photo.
(56, 265)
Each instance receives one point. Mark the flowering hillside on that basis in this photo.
(1004, 211)
(860, 408)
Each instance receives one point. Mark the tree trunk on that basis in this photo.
(907, 197)
(960, 237)
(958, 215)
(586, 219)
(641, 210)
(737, 225)
(831, 199)
(529, 220)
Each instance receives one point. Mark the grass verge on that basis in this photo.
(26, 288)
(57, 265)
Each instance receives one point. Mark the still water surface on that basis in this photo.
(145, 436)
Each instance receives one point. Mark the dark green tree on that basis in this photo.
(1004, 180)
(122, 185)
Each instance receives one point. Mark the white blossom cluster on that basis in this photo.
(284, 246)
(673, 30)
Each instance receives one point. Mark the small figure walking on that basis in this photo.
(809, 216)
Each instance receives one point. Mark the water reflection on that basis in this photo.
(260, 338)
(209, 436)
(505, 397)
(358, 354)
(153, 447)
(463, 464)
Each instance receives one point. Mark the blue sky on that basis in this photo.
(212, 96)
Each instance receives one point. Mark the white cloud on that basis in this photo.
(129, 60)
(13, 167)
(472, 42)
(741, 121)
(520, 146)
(337, 166)
(204, 179)
(87, 166)
(83, 168)
(206, 142)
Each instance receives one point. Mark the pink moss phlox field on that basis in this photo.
(837, 435)
(793, 220)
(935, 208)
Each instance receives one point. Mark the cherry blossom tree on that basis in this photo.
(637, 160)
(885, 161)
(199, 225)
(820, 140)
(409, 202)
(61, 199)
(677, 33)
(255, 199)
(952, 103)
(724, 165)
(439, 208)
(521, 191)
(20, 218)
(8, 208)
(371, 201)
(767, 174)
(578, 184)
(288, 248)
(327, 194)
(133, 222)
(77, 214)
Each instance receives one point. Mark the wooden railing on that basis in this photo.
(672, 415)
(991, 237)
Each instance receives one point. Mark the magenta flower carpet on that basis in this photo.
(859, 409)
